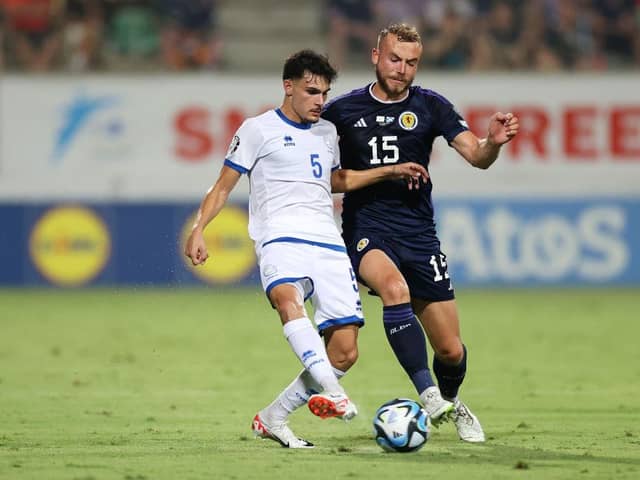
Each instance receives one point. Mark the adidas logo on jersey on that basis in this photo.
(360, 123)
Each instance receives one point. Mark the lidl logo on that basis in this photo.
(70, 246)
(231, 254)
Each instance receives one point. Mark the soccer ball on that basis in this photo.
(401, 425)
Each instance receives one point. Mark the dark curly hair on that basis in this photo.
(308, 61)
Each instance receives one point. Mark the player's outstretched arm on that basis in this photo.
(211, 205)
(483, 152)
(347, 180)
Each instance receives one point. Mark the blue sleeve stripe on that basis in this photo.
(333, 169)
(235, 166)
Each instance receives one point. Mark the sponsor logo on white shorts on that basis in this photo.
(270, 270)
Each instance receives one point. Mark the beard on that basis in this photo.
(395, 91)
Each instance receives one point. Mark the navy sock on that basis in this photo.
(407, 340)
(450, 377)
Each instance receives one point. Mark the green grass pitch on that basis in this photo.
(163, 384)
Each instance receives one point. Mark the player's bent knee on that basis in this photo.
(286, 301)
(394, 292)
(450, 355)
(343, 359)
(288, 309)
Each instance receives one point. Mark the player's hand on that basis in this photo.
(412, 173)
(502, 128)
(196, 249)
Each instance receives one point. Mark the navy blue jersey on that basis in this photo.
(374, 134)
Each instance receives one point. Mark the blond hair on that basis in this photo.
(403, 31)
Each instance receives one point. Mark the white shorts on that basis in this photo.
(320, 272)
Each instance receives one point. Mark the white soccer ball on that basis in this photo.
(401, 425)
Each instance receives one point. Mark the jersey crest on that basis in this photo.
(233, 146)
(408, 120)
(362, 244)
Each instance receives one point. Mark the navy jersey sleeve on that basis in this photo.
(450, 123)
(340, 108)
(330, 113)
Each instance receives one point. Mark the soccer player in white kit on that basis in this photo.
(291, 157)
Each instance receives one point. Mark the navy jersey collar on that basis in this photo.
(301, 126)
(387, 101)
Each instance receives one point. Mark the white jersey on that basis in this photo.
(289, 166)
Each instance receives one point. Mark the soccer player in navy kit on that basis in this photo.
(389, 230)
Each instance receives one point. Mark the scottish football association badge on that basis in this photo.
(362, 244)
(408, 120)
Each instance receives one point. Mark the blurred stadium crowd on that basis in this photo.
(175, 35)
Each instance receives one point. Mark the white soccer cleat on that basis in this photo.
(280, 433)
(439, 409)
(328, 405)
(467, 424)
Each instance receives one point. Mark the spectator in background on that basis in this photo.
(190, 37)
(569, 34)
(616, 31)
(2, 27)
(83, 30)
(351, 29)
(412, 12)
(495, 42)
(504, 30)
(131, 34)
(637, 34)
(532, 52)
(436, 10)
(33, 33)
(448, 46)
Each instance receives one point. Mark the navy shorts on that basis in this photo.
(420, 261)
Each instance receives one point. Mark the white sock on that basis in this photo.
(293, 397)
(310, 350)
(339, 373)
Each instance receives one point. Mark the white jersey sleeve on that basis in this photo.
(245, 147)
